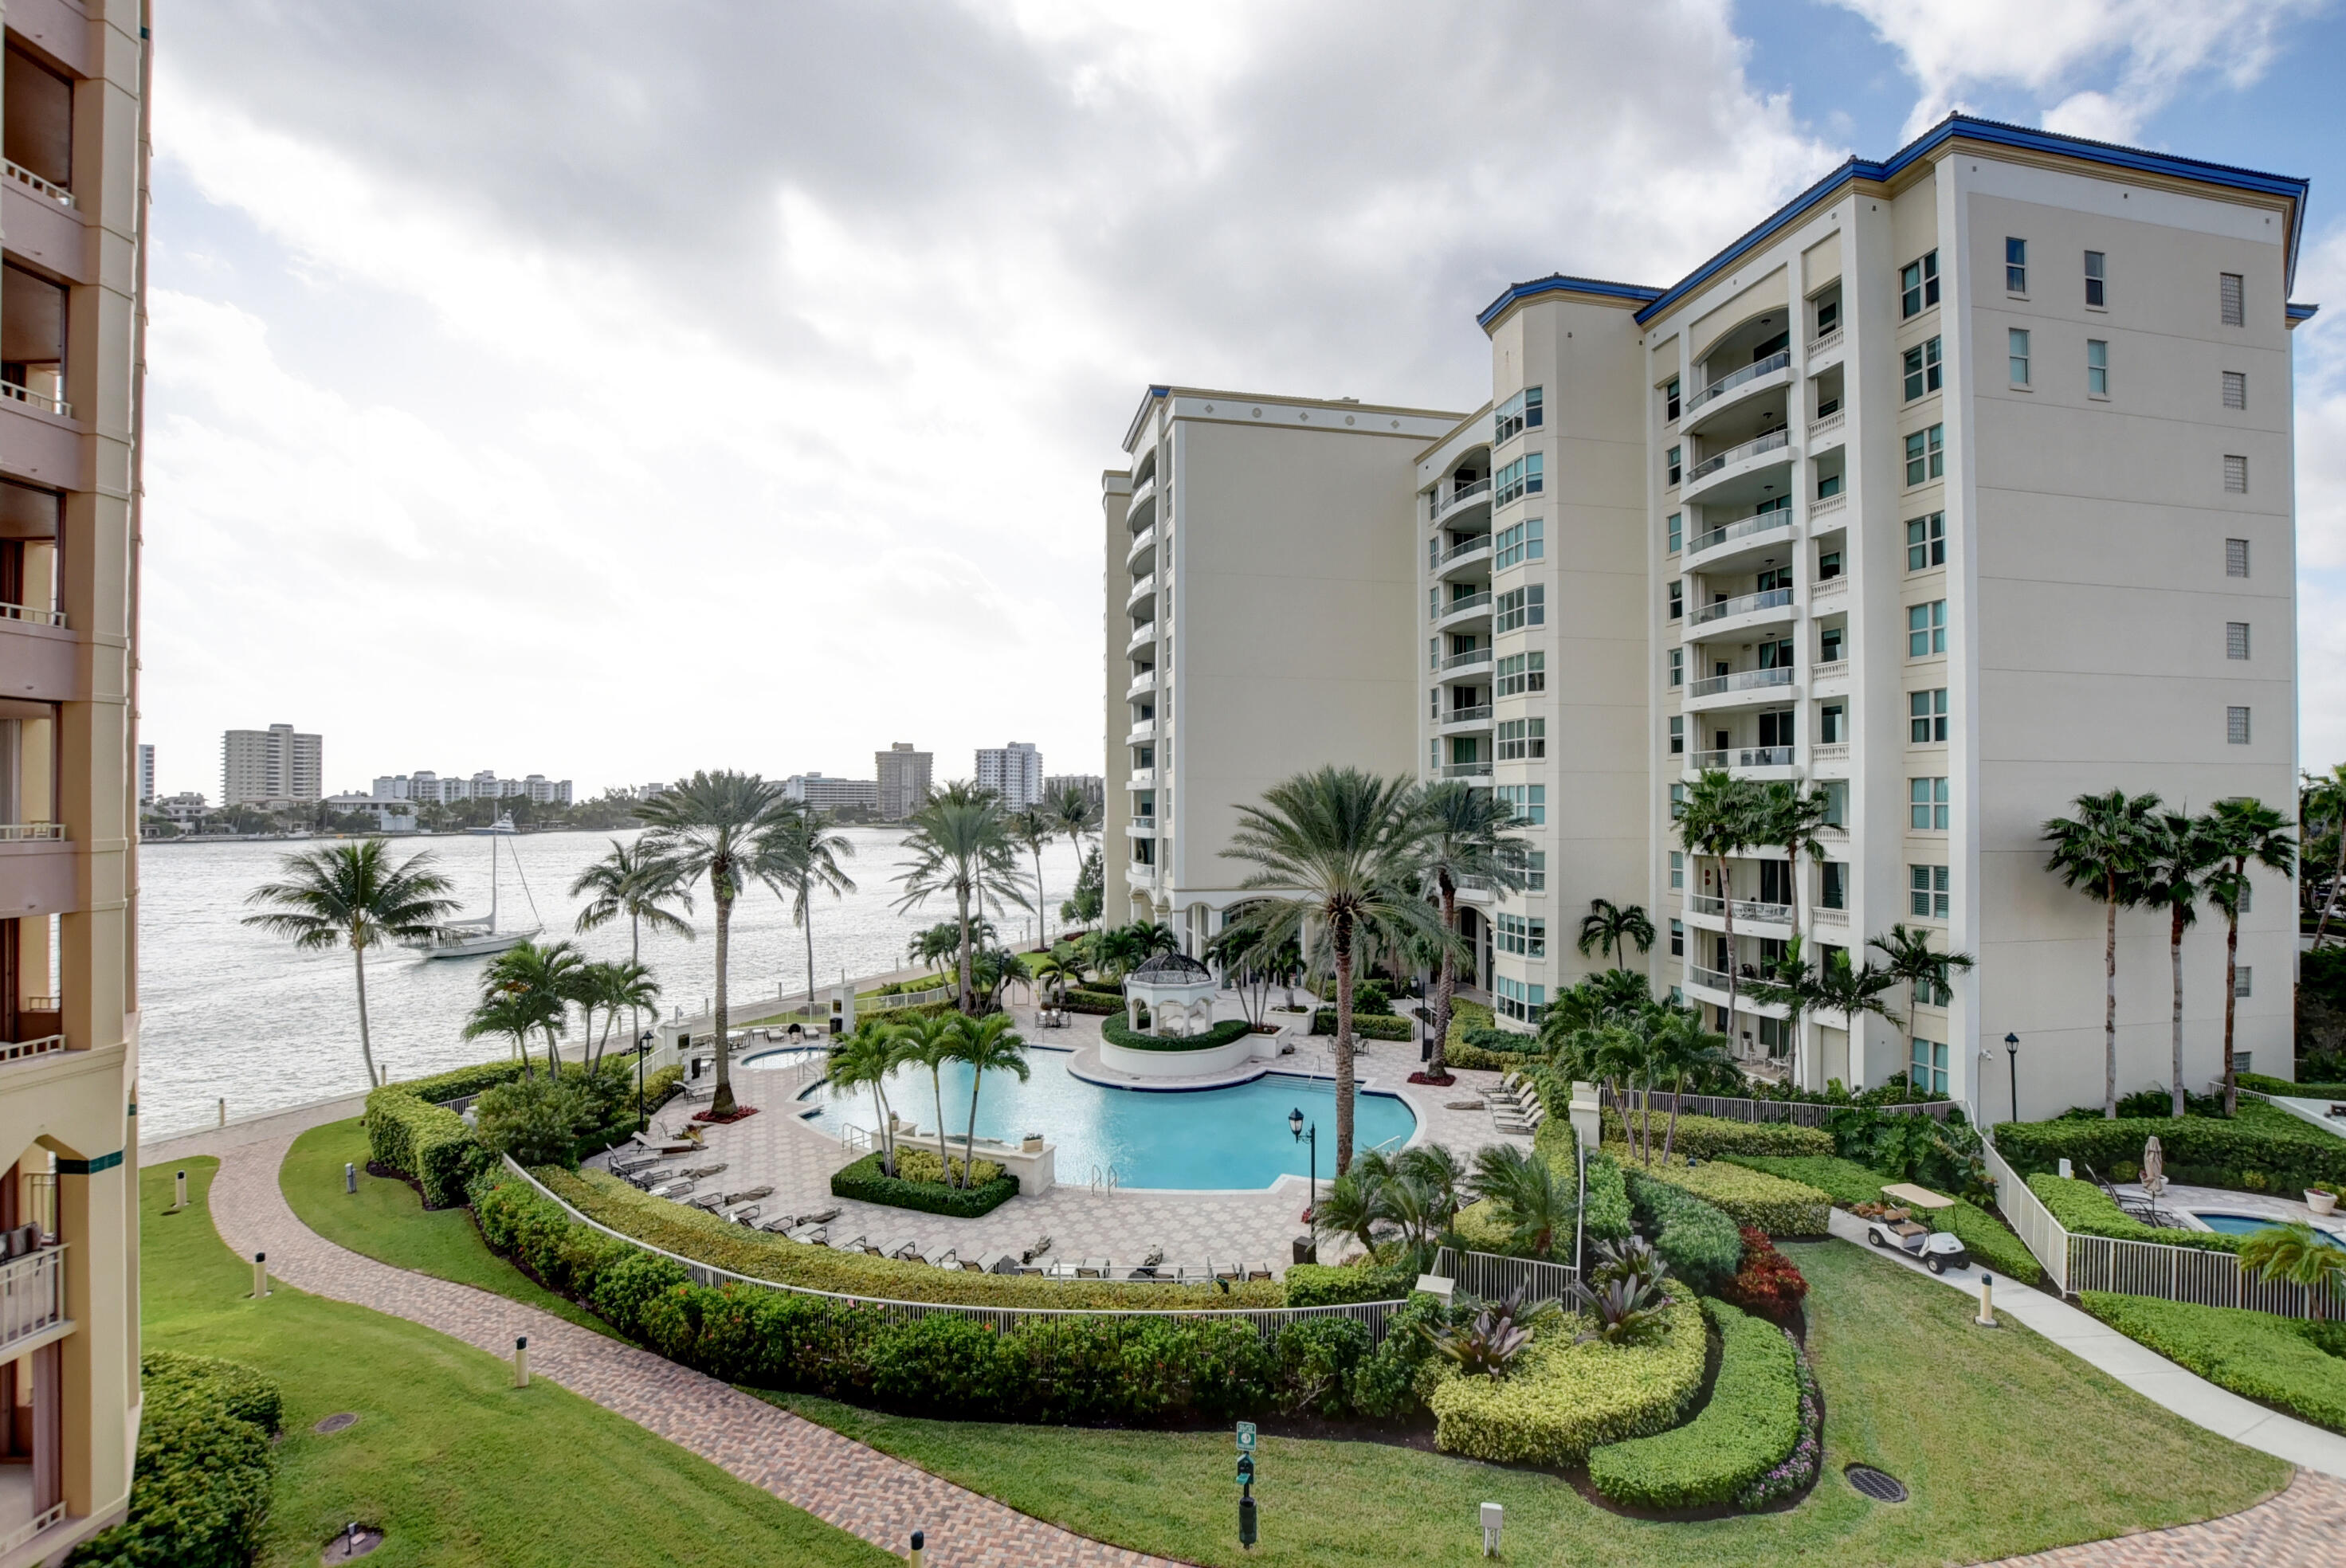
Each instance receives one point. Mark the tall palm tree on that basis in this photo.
(350, 895)
(1072, 813)
(960, 843)
(612, 986)
(1907, 955)
(1466, 835)
(1035, 828)
(808, 854)
(1678, 1047)
(516, 1014)
(721, 826)
(634, 881)
(1623, 1053)
(2323, 799)
(988, 1044)
(2100, 851)
(1615, 926)
(1341, 848)
(932, 1041)
(1154, 937)
(1721, 816)
(1794, 816)
(2175, 870)
(863, 1060)
(2242, 833)
(1854, 990)
(551, 975)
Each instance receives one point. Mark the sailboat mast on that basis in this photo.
(493, 884)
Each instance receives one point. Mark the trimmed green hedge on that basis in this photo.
(2256, 1355)
(2280, 1155)
(422, 1141)
(2083, 1208)
(1846, 1182)
(1366, 1025)
(1563, 1399)
(1990, 1242)
(1328, 1285)
(1700, 1242)
(865, 1182)
(1103, 1002)
(458, 1083)
(1764, 1202)
(1476, 1058)
(1712, 1138)
(1116, 1032)
(200, 1492)
(2265, 1083)
(1606, 1213)
(1749, 1428)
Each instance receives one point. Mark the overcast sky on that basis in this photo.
(611, 390)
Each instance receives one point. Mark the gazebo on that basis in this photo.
(1178, 992)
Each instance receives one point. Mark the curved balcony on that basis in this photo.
(1717, 549)
(1142, 636)
(1143, 542)
(1142, 684)
(1141, 510)
(1729, 391)
(1462, 720)
(1726, 475)
(1472, 658)
(1142, 826)
(1449, 503)
(1741, 688)
(1459, 612)
(1143, 590)
(1748, 912)
(1456, 561)
(1142, 734)
(1141, 779)
(1745, 612)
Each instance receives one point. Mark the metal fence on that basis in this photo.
(1800, 1112)
(2026, 1214)
(905, 999)
(1491, 1275)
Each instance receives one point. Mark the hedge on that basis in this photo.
(1699, 1242)
(422, 1141)
(704, 1237)
(2083, 1208)
(1749, 1428)
(1366, 1025)
(1988, 1240)
(1115, 1031)
(1565, 1398)
(2265, 1083)
(1846, 1182)
(1710, 1137)
(866, 1182)
(1329, 1285)
(1751, 1198)
(2256, 1355)
(2200, 1151)
(199, 1491)
(1099, 1002)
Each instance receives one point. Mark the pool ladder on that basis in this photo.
(1099, 1181)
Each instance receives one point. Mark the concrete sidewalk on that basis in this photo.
(2149, 1374)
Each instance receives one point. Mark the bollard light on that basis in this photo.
(521, 1362)
(914, 1556)
(350, 1176)
(180, 1190)
(1986, 1318)
(1494, 1515)
(260, 1275)
(223, 1111)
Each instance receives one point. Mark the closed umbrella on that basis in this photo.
(2154, 1167)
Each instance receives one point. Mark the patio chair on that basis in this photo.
(1257, 1271)
(996, 1263)
(779, 1224)
(945, 1256)
(1093, 1268)
(1233, 1271)
(811, 1235)
(747, 1194)
(709, 1201)
(745, 1215)
(652, 1177)
(822, 1216)
(702, 1172)
(905, 1250)
(2142, 1209)
(673, 1189)
(853, 1243)
(873, 1249)
(1041, 1246)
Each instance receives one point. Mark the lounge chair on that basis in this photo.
(673, 1189)
(1095, 1268)
(648, 1179)
(873, 1248)
(994, 1263)
(853, 1243)
(702, 1172)
(709, 1201)
(1042, 1245)
(620, 1165)
(944, 1257)
(743, 1214)
(1258, 1271)
(811, 1235)
(747, 1194)
(779, 1224)
(822, 1216)
(906, 1251)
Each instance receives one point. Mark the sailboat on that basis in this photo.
(479, 937)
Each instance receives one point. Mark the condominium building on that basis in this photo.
(145, 774)
(272, 766)
(822, 794)
(904, 780)
(72, 319)
(1014, 771)
(1091, 787)
(1958, 487)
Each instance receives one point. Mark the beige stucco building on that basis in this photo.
(1958, 487)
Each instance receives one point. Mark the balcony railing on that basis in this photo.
(1709, 977)
(1743, 605)
(1834, 502)
(1764, 757)
(32, 617)
(1479, 714)
(1831, 751)
(1743, 528)
(1831, 670)
(25, 1050)
(1473, 884)
(1449, 501)
(1479, 601)
(1460, 551)
(1825, 345)
(1465, 771)
(1745, 908)
(1828, 588)
(36, 184)
(1829, 425)
(29, 832)
(1727, 383)
(32, 399)
(1832, 917)
(1142, 586)
(1704, 761)
(31, 1294)
(1755, 447)
(1741, 680)
(1471, 657)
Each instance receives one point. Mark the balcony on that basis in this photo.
(1831, 751)
(1143, 683)
(1829, 588)
(1829, 504)
(1757, 759)
(1470, 659)
(1458, 718)
(36, 871)
(1824, 350)
(1748, 912)
(1760, 376)
(1830, 678)
(1143, 542)
(25, 1050)
(1458, 612)
(1143, 733)
(1829, 433)
(1449, 503)
(1459, 556)
(1463, 770)
(1142, 826)
(1712, 550)
(1141, 779)
(1745, 612)
(1143, 589)
(1831, 917)
(1729, 474)
(1142, 636)
(1140, 512)
(1754, 685)
(32, 1295)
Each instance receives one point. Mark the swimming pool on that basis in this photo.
(1211, 1138)
(2247, 1224)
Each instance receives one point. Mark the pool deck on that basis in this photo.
(2184, 1200)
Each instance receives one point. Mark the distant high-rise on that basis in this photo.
(1014, 771)
(1092, 786)
(904, 780)
(275, 764)
(831, 794)
(145, 774)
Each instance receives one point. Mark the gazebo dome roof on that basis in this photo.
(1172, 969)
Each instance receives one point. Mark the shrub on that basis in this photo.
(1751, 1425)
(1116, 1032)
(459, 1083)
(1366, 1025)
(1384, 1386)
(1796, 1469)
(1750, 1197)
(1103, 1003)
(1566, 1398)
(2083, 1208)
(1491, 1059)
(2264, 1085)
(1700, 1243)
(428, 1145)
(1317, 1360)
(866, 1182)
(1989, 1241)
(539, 1121)
(1766, 1286)
(1846, 1182)
(2256, 1355)
(1604, 1212)
(2200, 1151)
(916, 1162)
(201, 1487)
(1709, 1138)
(1330, 1285)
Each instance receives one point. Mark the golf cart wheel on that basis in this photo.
(1934, 1264)
(1873, 1237)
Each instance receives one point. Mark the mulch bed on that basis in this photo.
(739, 1113)
(1442, 1083)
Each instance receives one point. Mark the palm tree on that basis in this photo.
(1794, 817)
(632, 881)
(1341, 848)
(549, 974)
(516, 1014)
(934, 1040)
(960, 843)
(1466, 835)
(1058, 968)
(2323, 799)
(2174, 877)
(721, 826)
(1722, 816)
(809, 854)
(2101, 850)
(1620, 1055)
(2297, 1254)
(1115, 950)
(934, 947)
(350, 895)
(1153, 937)
(612, 986)
(987, 1044)
(1537, 1205)
(863, 1061)
(1855, 990)
(1610, 925)
(1909, 957)
(2241, 832)
(1678, 1047)
(1035, 828)
(1072, 812)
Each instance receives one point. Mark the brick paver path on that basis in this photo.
(2304, 1527)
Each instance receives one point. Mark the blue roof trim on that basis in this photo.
(1997, 133)
(2301, 312)
(1556, 283)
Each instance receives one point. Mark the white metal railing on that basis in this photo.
(25, 1050)
(1834, 502)
(2028, 1216)
(35, 617)
(32, 399)
(1142, 588)
(1743, 603)
(1480, 714)
(1740, 1108)
(1465, 771)
(907, 999)
(1825, 345)
(1742, 528)
(1449, 607)
(35, 183)
(1757, 447)
(1831, 917)
(1741, 680)
(1745, 908)
(1710, 977)
(1475, 884)
(31, 1294)
(24, 1533)
(1831, 751)
(1492, 1275)
(1460, 552)
(1829, 425)
(27, 832)
(1764, 757)
(1781, 360)
(1445, 503)
(1472, 656)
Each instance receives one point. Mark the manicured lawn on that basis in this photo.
(2257, 1355)
(2008, 1443)
(462, 1469)
(386, 1221)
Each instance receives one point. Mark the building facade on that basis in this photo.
(271, 767)
(1959, 487)
(1014, 771)
(904, 781)
(819, 793)
(1091, 787)
(145, 774)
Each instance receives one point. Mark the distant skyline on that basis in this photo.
(525, 383)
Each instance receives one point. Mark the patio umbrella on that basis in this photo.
(2154, 1167)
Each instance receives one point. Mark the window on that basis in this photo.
(1517, 479)
(1926, 805)
(2247, 896)
(1827, 565)
(2096, 277)
(1670, 401)
(1677, 666)
(2236, 557)
(2236, 390)
(1828, 316)
(2016, 347)
(1677, 801)
(1525, 606)
(1926, 542)
(2236, 639)
(1676, 528)
(1836, 802)
(1434, 653)
(1927, 1070)
(1918, 285)
(1529, 802)
(1518, 1000)
(1526, 540)
(2098, 368)
(1670, 460)
(1921, 367)
(2228, 289)
(1678, 869)
(1517, 414)
(1535, 869)
(1524, 935)
(1926, 892)
(2236, 475)
(1926, 457)
(1677, 600)
(2241, 982)
(2235, 726)
(1828, 486)
(1521, 673)
(1926, 717)
(1434, 603)
(1678, 743)
(1926, 629)
(1833, 885)
(2016, 266)
(1829, 644)
(1523, 739)
(1833, 724)
(1678, 939)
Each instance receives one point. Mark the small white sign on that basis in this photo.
(1246, 1437)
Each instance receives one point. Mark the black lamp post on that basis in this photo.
(2012, 1055)
(1295, 1125)
(643, 1055)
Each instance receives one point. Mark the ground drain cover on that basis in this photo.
(334, 1423)
(352, 1543)
(1879, 1485)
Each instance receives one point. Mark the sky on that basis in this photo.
(609, 391)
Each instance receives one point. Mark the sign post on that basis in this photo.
(1248, 1533)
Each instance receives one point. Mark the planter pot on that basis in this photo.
(2321, 1203)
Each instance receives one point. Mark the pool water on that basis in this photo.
(2246, 1224)
(1210, 1138)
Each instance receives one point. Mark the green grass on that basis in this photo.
(2257, 1355)
(2009, 1444)
(387, 1221)
(462, 1470)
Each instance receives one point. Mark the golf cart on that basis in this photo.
(1892, 1229)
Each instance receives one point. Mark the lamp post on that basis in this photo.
(2012, 1056)
(643, 1055)
(1295, 1125)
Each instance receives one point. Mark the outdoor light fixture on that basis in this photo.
(2012, 1058)
(1295, 1125)
(1295, 1122)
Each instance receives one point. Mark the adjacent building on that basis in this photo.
(425, 788)
(904, 781)
(817, 792)
(1014, 771)
(1958, 487)
(272, 768)
(145, 774)
(390, 816)
(1091, 787)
